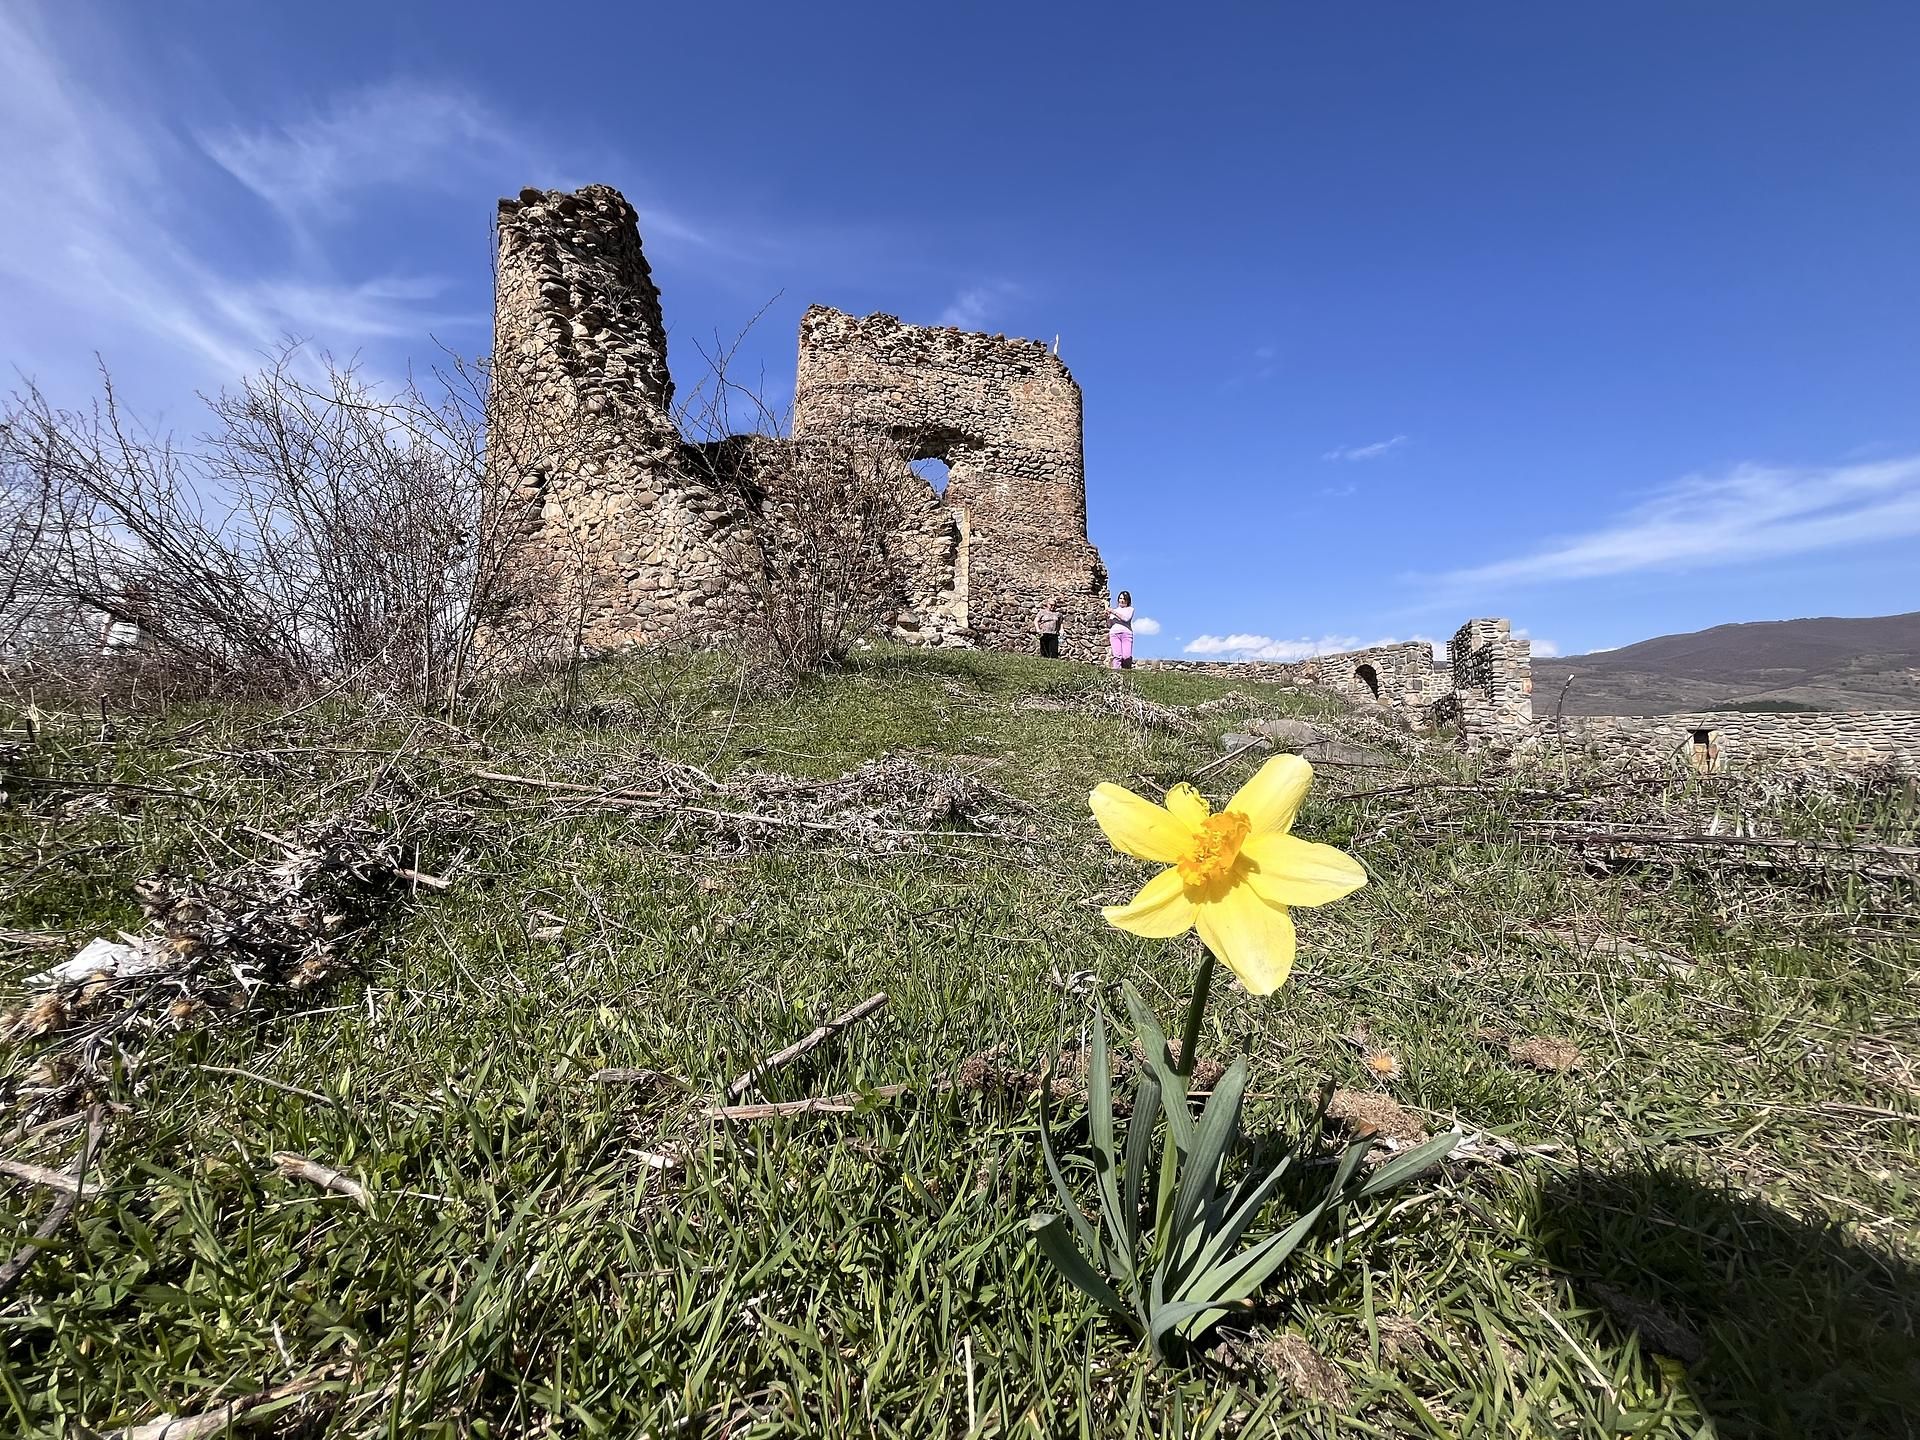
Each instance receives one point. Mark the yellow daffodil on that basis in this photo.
(1232, 875)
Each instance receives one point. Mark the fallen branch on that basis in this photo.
(40, 1175)
(741, 1084)
(1212, 765)
(299, 1167)
(24, 1257)
(217, 1421)
(841, 1104)
(269, 1081)
(33, 939)
(597, 792)
(629, 1075)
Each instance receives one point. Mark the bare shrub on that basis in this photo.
(322, 535)
(817, 550)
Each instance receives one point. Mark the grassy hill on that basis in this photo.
(1690, 1073)
(1829, 663)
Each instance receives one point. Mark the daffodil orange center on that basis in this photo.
(1215, 846)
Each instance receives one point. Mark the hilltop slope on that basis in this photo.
(1827, 663)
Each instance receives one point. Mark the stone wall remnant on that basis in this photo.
(1005, 416)
(620, 539)
(1717, 740)
(626, 534)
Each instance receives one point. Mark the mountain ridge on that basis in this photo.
(1823, 662)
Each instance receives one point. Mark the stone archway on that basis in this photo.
(1369, 677)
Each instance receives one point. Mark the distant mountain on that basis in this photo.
(1827, 663)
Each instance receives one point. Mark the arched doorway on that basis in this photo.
(1368, 677)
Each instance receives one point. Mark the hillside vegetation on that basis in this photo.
(1828, 663)
(1688, 1074)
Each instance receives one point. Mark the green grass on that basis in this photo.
(1738, 1151)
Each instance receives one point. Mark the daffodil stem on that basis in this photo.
(1196, 1011)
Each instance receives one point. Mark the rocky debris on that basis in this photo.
(1294, 737)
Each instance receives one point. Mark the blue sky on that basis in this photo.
(1599, 317)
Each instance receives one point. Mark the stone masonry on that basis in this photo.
(620, 538)
(1486, 692)
(1005, 417)
(1486, 687)
(626, 535)
(1716, 740)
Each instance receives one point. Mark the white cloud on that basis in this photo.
(973, 307)
(1545, 648)
(1752, 512)
(1265, 647)
(1365, 452)
(1146, 625)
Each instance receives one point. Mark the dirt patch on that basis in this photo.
(1298, 1366)
(1372, 1116)
(1656, 1328)
(1546, 1052)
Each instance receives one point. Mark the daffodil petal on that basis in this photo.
(1160, 911)
(1284, 871)
(1252, 938)
(1138, 827)
(1272, 797)
(1188, 806)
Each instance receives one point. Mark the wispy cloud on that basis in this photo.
(977, 306)
(119, 233)
(1365, 452)
(1145, 625)
(401, 132)
(1339, 492)
(1752, 512)
(1539, 645)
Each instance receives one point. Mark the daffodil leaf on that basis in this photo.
(1146, 1109)
(1106, 1154)
(1173, 1086)
(1219, 1128)
(1403, 1168)
(1071, 1206)
(1051, 1235)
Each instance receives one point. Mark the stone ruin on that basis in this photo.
(626, 534)
(1484, 690)
(1005, 417)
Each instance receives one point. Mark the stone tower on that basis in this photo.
(618, 537)
(1005, 417)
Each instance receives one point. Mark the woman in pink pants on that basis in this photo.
(1120, 632)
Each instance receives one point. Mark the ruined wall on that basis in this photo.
(1005, 417)
(1400, 677)
(1492, 698)
(1485, 688)
(1712, 740)
(621, 541)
